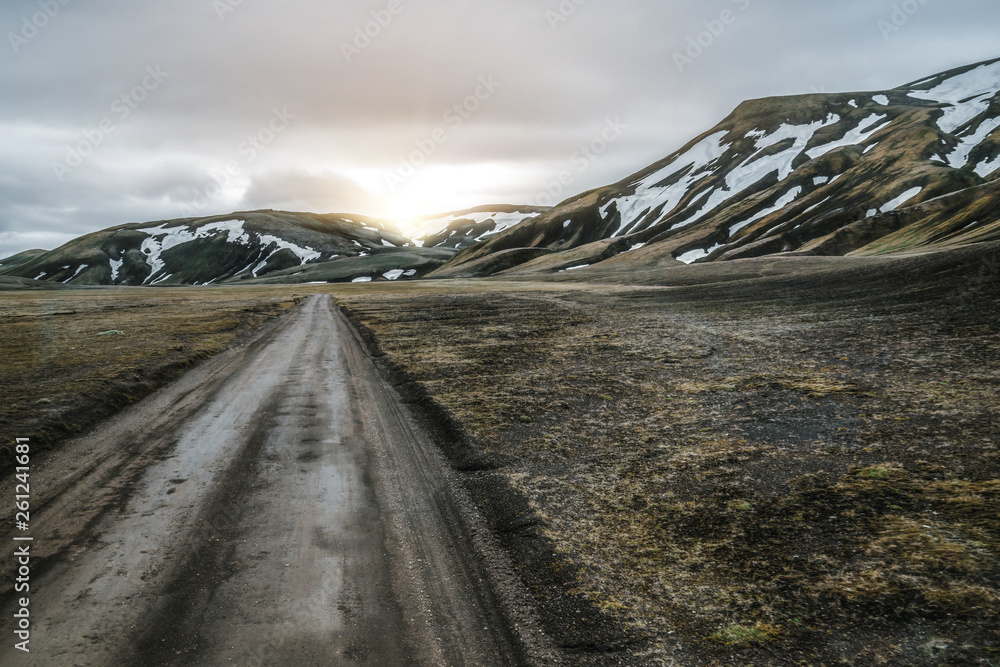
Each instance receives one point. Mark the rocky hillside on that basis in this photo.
(829, 174)
(908, 169)
(462, 229)
(261, 247)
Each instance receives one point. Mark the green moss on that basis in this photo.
(745, 635)
(763, 473)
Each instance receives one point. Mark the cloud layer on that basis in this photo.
(117, 111)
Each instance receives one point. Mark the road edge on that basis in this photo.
(505, 535)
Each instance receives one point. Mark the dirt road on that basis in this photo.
(274, 506)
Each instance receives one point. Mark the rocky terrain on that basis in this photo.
(777, 461)
(824, 174)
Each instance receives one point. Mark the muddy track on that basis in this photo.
(277, 505)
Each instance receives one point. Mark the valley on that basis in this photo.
(727, 464)
(737, 408)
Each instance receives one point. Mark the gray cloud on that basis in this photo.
(354, 121)
(299, 190)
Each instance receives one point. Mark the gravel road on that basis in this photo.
(276, 505)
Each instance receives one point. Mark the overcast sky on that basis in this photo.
(117, 111)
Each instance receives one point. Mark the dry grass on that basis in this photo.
(767, 473)
(742, 482)
(71, 357)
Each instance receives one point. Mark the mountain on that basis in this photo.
(462, 229)
(20, 259)
(261, 247)
(821, 174)
(914, 168)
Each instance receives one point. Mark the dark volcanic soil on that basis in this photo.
(748, 466)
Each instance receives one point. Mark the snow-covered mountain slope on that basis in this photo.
(780, 173)
(462, 229)
(212, 250)
(811, 174)
(262, 247)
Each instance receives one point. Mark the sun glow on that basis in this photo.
(438, 189)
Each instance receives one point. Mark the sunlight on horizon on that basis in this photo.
(434, 190)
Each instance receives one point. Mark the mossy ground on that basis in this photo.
(59, 374)
(747, 475)
(785, 469)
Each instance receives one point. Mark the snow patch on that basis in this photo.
(784, 201)
(967, 94)
(814, 207)
(858, 135)
(821, 180)
(78, 271)
(695, 255)
(161, 239)
(574, 268)
(752, 171)
(902, 199)
(960, 156)
(648, 196)
(395, 274)
(987, 167)
(881, 99)
(502, 222)
(116, 267)
(956, 116)
(364, 279)
(303, 253)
